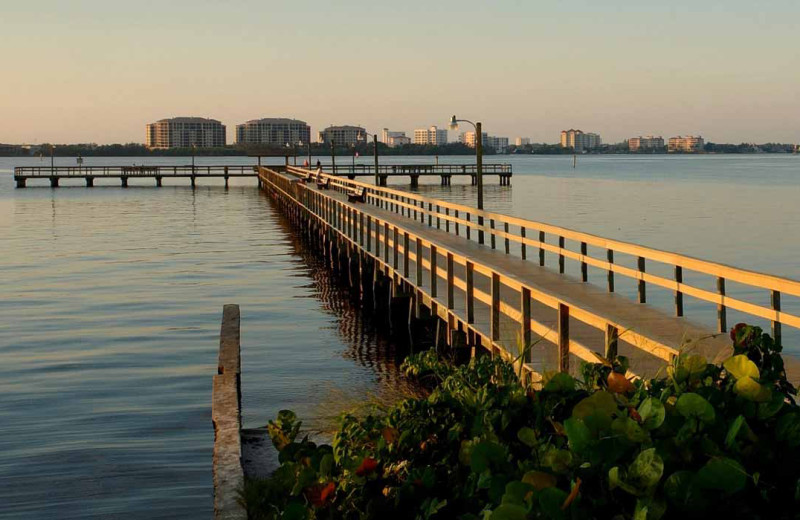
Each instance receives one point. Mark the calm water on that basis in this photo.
(110, 302)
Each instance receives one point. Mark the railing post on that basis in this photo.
(561, 243)
(775, 298)
(541, 249)
(642, 287)
(495, 311)
(525, 321)
(469, 228)
(457, 226)
(418, 263)
(678, 292)
(450, 280)
(563, 338)
(430, 211)
(438, 220)
(470, 292)
(612, 340)
(584, 266)
(434, 274)
(610, 274)
(491, 226)
(377, 239)
(386, 243)
(508, 243)
(447, 220)
(523, 249)
(369, 233)
(361, 227)
(722, 318)
(406, 255)
(396, 247)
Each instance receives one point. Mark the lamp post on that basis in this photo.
(375, 142)
(194, 151)
(479, 158)
(52, 159)
(333, 158)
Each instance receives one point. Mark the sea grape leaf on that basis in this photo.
(749, 388)
(509, 512)
(678, 486)
(578, 434)
(551, 500)
(599, 403)
(646, 469)
(539, 479)
(695, 405)
(484, 454)
(771, 407)
(628, 428)
(740, 366)
(516, 492)
(652, 412)
(733, 431)
(527, 436)
(723, 474)
(694, 364)
(787, 429)
(616, 479)
(560, 382)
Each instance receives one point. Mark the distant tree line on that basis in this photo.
(363, 149)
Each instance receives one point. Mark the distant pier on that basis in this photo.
(54, 174)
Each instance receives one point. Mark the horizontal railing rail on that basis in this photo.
(417, 169)
(134, 171)
(531, 237)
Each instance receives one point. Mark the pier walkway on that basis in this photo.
(414, 171)
(483, 276)
(89, 173)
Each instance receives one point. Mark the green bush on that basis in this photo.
(702, 439)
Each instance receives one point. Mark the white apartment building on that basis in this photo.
(649, 142)
(432, 135)
(273, 131)
(394, 139)
(185, 132)
(689, 143)
(344, 135)
(579, 140)
(499, 144)
(522, 141)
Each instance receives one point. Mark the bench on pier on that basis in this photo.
(356, 195)
(324, 184)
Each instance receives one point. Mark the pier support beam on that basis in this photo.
(474, 180)
(54, 182)
(89, 182)
(124, 181)
(158, 182)
(194, 181)
(226, 178)
(415, 181)
(21, 182)
(382, 180)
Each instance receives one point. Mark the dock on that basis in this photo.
(54, 174)
(483, 277)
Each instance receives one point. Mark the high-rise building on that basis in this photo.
(273, 131)
(579, 140)
(522, 141)
(185, 132)
(432, 135)
(344, 135)
(648, 143)
(499, 144)
(387, 135)
(689, 143)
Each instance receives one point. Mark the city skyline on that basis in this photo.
(98, 71)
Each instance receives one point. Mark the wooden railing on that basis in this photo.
(418, 169)
(530, 240)
(134, 171)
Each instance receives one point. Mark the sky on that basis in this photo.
(98, 71)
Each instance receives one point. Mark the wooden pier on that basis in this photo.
(482, 277)
(54, 174)
(414, 171)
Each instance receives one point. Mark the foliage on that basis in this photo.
(703, 439)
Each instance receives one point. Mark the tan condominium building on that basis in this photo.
(432, 135)
(394, 139)
(276, 131)
(499, 144)
(522, 141)
(344, 135)
(185, 132)
(689, 143)
(648, 143)
(579, 140)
